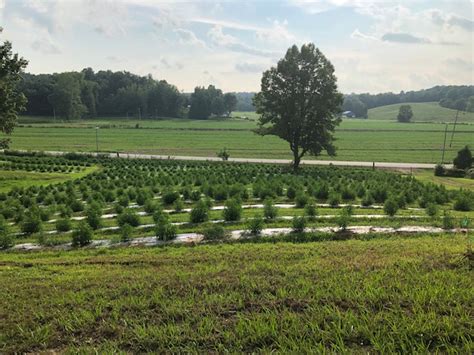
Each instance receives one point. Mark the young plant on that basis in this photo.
(82, 235)
(390, 207)
(269, 210)
(200, 213)
(255, 225)
(126, 231)
(213, 231)
(232, 210)
(164, 230)
(298, 224)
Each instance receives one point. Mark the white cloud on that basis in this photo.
(450, 20)
(246, 67)
(45, 46)
(188, 37)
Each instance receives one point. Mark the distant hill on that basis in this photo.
(422, 112)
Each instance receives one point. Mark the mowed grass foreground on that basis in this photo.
(357, 140)
(395, 294)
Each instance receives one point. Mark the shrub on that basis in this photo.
(31, 224)
(448, 220)
(311, 211)
(200, 213)
(347, 194)
(63, 225)
(128, 217)
(269, 210)
(164, 230)
(463, 202)
(76, 206)
(157, 214)
(334, 200)
(126, 231)
(344, 218)
(322, 192)
(93, 216)
(367, 200)
(291, 192)
(6, 240)
(431, 210)
(298, 224)
(123, 200)
(301, 199)
(82, 235)
(390, 207)
(150, 206)
(178, 205)
(255, 225)
(232, 210)
(212, 231)
(169, 197)
(464, 159)
(439, 170)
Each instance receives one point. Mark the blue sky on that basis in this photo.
(375, 46)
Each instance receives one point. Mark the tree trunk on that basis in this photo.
(296, 159)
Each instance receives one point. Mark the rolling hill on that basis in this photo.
(422, 112)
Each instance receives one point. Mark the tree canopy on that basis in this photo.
(299, 102)
(11, 100)
(463, 159)
(405, 113)
(210, 101)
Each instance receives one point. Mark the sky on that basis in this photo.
(375, 46)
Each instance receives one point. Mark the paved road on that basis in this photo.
(385, 165)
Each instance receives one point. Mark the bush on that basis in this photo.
(255, 225)
(169, 197)
(93, 216)
(212, 231)
(334, 200)
(164, 230)
(448, 220)
(31, 224)
(439, 170)
(463, 202)
(298, 224)
(76, 206)
(178, 205)
(232, 210)
(63, 225)
(150, 206)
(126, 232)
(82, 235)
(6, 240)
(128, 217)
(269, 210)
(123, 200)
(431, 210)
(464, 159)
(367, 200)
(390, 207)
(301, 200)
(200, 213)
(344, 218)
(454, 172)
(311, 211)
(291, 193)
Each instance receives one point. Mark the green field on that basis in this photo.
(422, 112)
(358, 140)
(410, 294)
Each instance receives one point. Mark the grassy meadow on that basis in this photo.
(391, 294)
(357, 140)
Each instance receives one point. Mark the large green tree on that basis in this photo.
(299, 102)
(11, 100)
(405, 114)
(66, 96)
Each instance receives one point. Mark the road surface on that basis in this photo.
(366, 164)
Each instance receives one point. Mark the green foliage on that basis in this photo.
(334, 200)
(432, 210)
(464, 201)
(269, 210)
(213, 231)
(255, 225)
(169, 197)
(223, 154)
(405, 113)
(82, 235)
(439, 170)
(126, 232)
(32, 223)
(93, 216)
(344, 218)
(63, 225)
(200, 212)
(11, 101)
(210, 101)
(448, 220)
(298, 224)
(464, 159)
(301, 200)
(6, 239)
(129, 217)
(311, 211)
(232, 210)
(390, 207)
(164, 230)
(287, 105)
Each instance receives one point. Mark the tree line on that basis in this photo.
(459, 97)
(75, 95)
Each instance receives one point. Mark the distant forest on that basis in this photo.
(74, 95)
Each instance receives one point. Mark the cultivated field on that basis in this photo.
(357, 140)
(422, 112)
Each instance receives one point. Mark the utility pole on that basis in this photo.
(454, 128)
(444, 144)
(139, 113)
(97, 139)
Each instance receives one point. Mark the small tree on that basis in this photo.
(6, 240)
(390, 207)
(269, 210)
(223, 154)
(200, 213)
(464, 159)
(164, 230)
(126, 232)
(298, 224)
(82, 235)
(255, 225)
(405, 114)
(128, 217)
(232, 210)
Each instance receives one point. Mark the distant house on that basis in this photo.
(349, 114)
